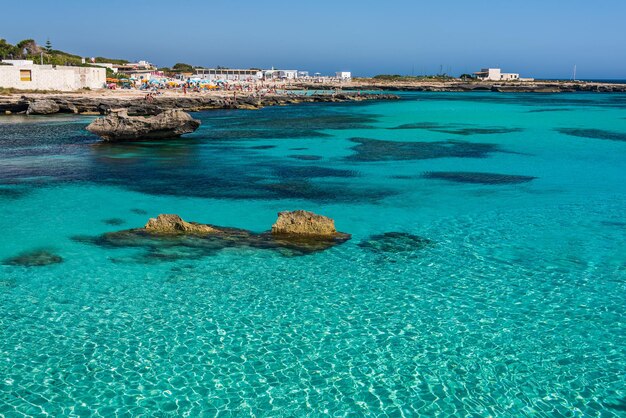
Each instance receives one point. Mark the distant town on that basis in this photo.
(29, 66)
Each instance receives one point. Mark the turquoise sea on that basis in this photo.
(486, 274)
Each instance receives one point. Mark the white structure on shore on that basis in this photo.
(229, 74)
(25, 75)
(213, 74)
(343, 75)
(495, 74)
(288, 74)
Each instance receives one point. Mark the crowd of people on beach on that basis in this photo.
(232, 89)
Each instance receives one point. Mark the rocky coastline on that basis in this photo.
(94, 103)
(477, 86)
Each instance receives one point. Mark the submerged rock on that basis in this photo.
(371, 150)
(36, 258)
(119, 126)
(174, 224)
(114, 221)
(42, 107)
(169, 238)
(395, 242)
(594, 133)
(478, 178)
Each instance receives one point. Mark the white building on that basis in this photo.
(228, 74)
(288, 74)
(495, 74)
(18, 62)
(343, 75)
(25, 75)
(108, 65)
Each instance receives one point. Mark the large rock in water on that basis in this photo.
(118, 126)
(42, 107)
(174, 224)
(168, 237)
(304, 223)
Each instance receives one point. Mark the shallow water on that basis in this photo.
(500, 290)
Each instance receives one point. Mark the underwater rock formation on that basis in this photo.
(372, 150)
(395, 242)
(119, 126)
(114, 221)
(36, 258)
(478, 178)
(170, 238)
(594, 134)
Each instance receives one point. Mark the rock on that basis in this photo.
(174, 224)
(301, 222)
(120, 126)
(36, 258)
(168, 238)
(395, 242)
(42, 107)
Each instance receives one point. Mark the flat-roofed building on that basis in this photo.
(28, 76)
(229, 74)
(343, 75)
(288, 74)
(495, 74)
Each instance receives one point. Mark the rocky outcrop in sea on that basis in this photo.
(119, 126)
(166, 236)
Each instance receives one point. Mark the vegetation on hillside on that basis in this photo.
(397, 77)
(111, 60)
(29, 49)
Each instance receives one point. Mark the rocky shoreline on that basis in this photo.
(462, 86)
(136, 104)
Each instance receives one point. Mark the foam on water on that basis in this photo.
(493, 287)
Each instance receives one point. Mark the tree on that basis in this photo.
(48, 46)
(7, 50)
(182, 67)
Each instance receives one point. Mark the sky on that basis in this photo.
(537, 38)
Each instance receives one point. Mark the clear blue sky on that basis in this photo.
(538, 38)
